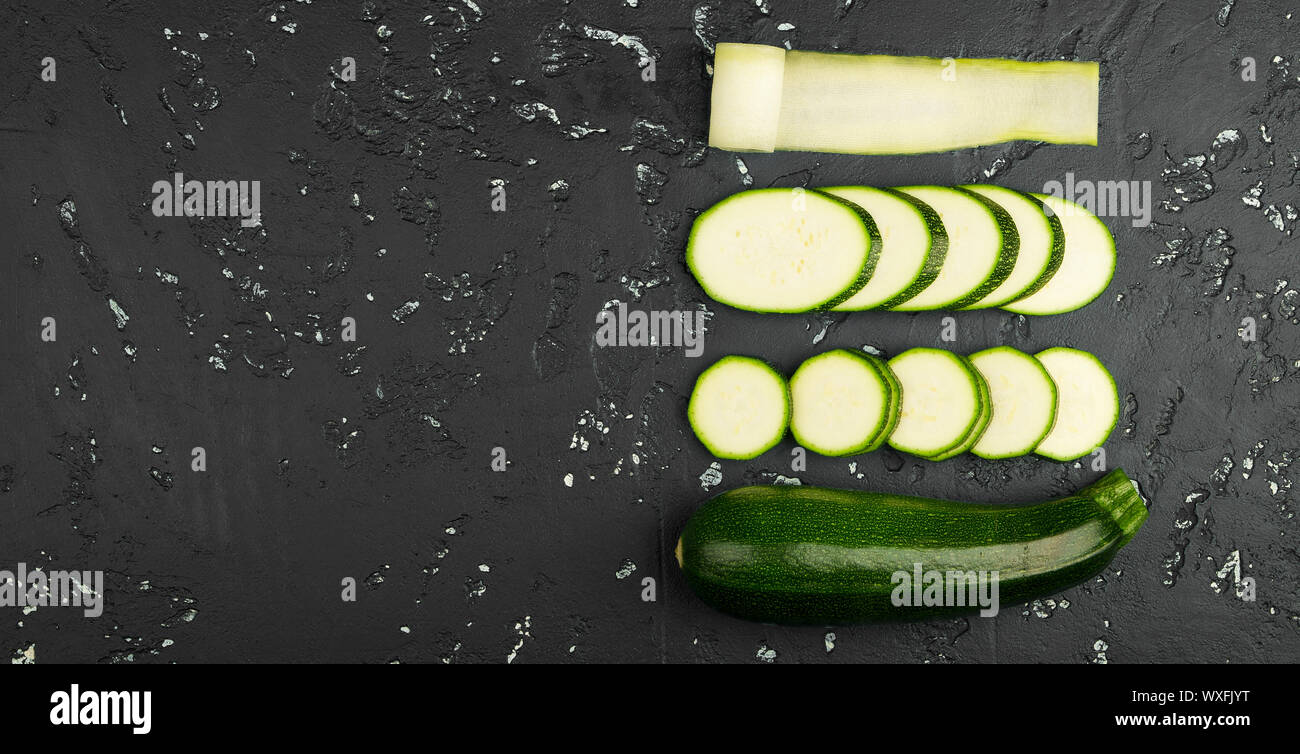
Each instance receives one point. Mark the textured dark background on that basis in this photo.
(329, 459)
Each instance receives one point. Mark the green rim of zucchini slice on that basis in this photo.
(895, 395)
(1007, 254)
(782, 250)
(739, 408)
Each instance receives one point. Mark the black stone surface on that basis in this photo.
(370, 459)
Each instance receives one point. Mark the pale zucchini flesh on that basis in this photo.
(1023, 397)
(740, 407)
(1087, 404)
(842, 403)
(1086, 268)
(941, 401)
(881, 104)
(782, 250)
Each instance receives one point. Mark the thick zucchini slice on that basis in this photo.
(976, 431)
(1042, 244)
(981, 248)
(1023, 398)
(782, 250)
(913, 246)
(1087, 406)
(942, 401)
(815, 556)
(881, 104)
(842, 403)
(740, 407)
(1086, 269)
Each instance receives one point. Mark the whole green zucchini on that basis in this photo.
(812, 555)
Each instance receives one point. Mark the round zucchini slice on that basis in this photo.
(1024, 402)
(1086, 269)
(783, 250)
(942, 401)
(1087, 406)
(740, 407)
(843, 404)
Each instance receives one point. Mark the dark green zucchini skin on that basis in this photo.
(818, 556)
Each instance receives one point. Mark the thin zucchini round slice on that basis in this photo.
(1024, 402)
(1042, 244)
(941, 401)
(1087, 406)
(981, 248)
(782, 250)
(740, 407)
(913, 246)
(842, 403)
(1086, 269)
